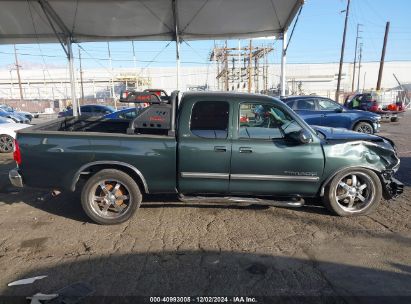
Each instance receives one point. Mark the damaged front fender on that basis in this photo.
(378, 155)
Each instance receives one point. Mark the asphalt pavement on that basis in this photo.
(171, 249)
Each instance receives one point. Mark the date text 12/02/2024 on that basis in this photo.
(239, 299)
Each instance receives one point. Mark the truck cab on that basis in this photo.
(249, 145)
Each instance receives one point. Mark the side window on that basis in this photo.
(128, 115)
(265, 121)
(325, 104)
(307, 104)
(86, 109)
(209, 119)
(290, 104)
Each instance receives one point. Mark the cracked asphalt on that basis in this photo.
(174, 249)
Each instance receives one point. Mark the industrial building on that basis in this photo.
(320, 79)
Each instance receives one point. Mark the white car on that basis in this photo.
(8, 130)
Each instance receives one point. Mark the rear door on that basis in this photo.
(306, 108)
(204, 147)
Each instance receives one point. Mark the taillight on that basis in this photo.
(16, 153)
(125, 95)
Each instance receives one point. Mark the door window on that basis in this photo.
(86, 109)
(128, 115)
(266, 121)
(307, 104)
(209, 119)
(327, 105)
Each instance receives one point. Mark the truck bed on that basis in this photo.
(53, 152)
(92, 124)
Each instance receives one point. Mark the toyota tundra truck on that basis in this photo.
(206, 147)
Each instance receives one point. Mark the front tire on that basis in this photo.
(110, 197)
(364, 127)
(353, 192)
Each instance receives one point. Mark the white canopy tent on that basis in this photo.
(68, 21)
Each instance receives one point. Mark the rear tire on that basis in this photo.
(110, 197)
(353, 192)
(364, 127)
(394, 119)
(6, 143)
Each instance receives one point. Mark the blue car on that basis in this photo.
(322, 111)
(129, 114)
(90, 110)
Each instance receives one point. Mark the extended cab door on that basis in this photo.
(204, 146)
(267, 158)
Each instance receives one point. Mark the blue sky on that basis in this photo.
(317, 38)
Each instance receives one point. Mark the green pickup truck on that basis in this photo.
(207, 147)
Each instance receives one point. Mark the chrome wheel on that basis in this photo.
(6, 144)
(355, 192)
(365, 128)
(110, 199)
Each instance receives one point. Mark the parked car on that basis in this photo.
(209, 147)
(90, 110)
(6, 120)
(322, 111)
(9, 109)
(129, 113)
(14, 116)
(8, 134)
(368, 102)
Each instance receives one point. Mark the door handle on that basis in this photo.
(323, 115)
(220, 149)
(245, 150)
(56, 150)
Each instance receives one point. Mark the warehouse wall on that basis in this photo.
(320, 79)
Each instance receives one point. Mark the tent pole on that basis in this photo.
(72, 77)
(283, 63)
(178, 63)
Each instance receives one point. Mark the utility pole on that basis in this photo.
(18, 73)
(387, 29)
(359, 68)
(135, 64)
(112, 80)
(355, 56)
(81, 75)
(226, 66)
(337, 92)
(250, 56)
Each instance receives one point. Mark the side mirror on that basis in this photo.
(339, 110)
(305, 137)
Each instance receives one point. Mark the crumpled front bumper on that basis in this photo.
(392, 186)
(15, 178)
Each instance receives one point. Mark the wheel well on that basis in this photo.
(366, 121)
(93, 169)
(330, 178)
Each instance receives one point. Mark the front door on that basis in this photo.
(332, 114)
(204, 148)
(266, 157)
